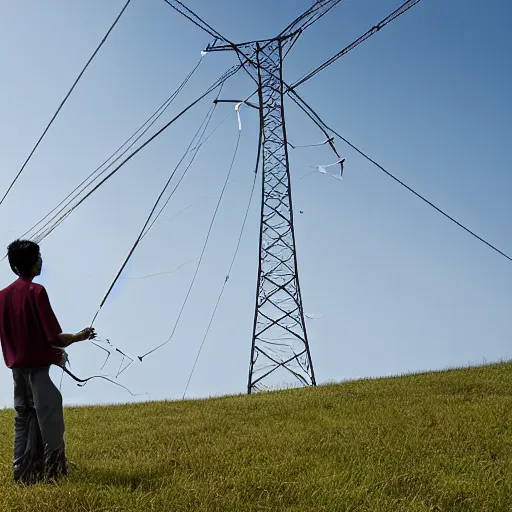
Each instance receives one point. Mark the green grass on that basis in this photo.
(428, 442)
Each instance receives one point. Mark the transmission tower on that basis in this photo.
(279, 340)
(280, 346)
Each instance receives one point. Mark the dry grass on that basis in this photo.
(430, 442)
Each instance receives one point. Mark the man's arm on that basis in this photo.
(51, 327)
(64, 339)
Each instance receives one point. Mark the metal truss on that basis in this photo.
(280, 350)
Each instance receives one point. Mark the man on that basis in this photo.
(32, 341)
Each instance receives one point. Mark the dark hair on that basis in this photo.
(23, 255)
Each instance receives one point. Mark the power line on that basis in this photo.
(127, 145)
(354, 44)
(293, 40)
(230, 266)
(202, 252)
(195, 19)
(64, 101)
(202, 129)
(155, 117)
(201, 23)
(313, 115)
(388, 19)
(309, 17)
(216, 85)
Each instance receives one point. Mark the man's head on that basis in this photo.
(25, 258)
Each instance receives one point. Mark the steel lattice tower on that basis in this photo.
(279, 341)
(280, 346)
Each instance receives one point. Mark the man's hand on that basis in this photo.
(86, 334)
(64, 340)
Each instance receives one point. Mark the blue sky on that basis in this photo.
(399, 288)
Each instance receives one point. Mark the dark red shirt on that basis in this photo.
(28, 326)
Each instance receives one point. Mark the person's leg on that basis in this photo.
(50, 415)
(28, 446)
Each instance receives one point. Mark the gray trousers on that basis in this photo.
(39, 451)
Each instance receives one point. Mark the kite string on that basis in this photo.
(195, 152)
(230, 266)
(191, 205)
(124, 355)
(202, 252)
(202, 128)
(162, 273)
(83, 382)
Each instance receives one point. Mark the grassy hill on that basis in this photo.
(430, 442)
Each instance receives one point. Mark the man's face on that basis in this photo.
(38, 265)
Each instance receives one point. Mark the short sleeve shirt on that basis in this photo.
(28, 326)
